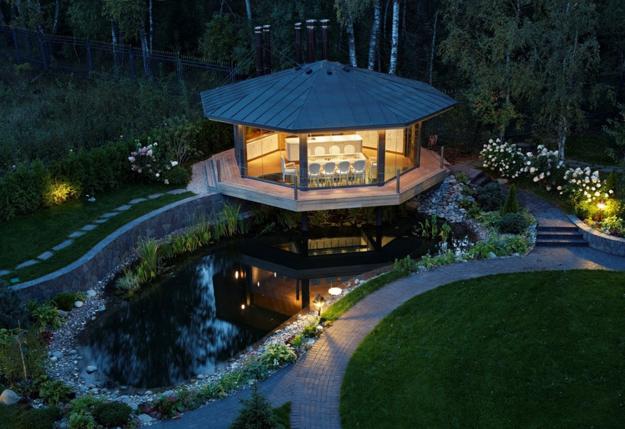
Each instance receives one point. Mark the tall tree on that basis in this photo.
(346, 11)
(375, 33)
(248, 10)
(392, 66)
(129, 15)
(568, 52)
(488, 41)
(86, 19)
(433, 47)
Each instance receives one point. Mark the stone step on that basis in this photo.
(560, 229)
(480, 180)
(560, 243)
(564, 235)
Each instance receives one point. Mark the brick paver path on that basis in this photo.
(313, 384)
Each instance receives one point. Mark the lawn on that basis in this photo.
(521, 350)
(28, 236)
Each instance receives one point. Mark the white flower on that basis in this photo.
(173, 163)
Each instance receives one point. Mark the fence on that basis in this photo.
(85, 57)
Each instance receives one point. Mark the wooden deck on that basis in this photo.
(224, 177)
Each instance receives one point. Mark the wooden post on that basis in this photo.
(240, 152)
(418, 143)
(397, 179)
(442, 156)
(303, 161)
(18, 57)
(89, 56)
(381, 156)
(295, 196)
(218, 169)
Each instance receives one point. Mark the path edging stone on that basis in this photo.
(599, 240)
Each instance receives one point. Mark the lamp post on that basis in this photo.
(318, 302)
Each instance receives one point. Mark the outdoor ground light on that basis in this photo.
(335, 291)
(318, 303)
(601, 205)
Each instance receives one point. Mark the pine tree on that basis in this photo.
(256, 413)
(512, 204)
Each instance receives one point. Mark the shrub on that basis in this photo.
(256, 413)
(55, 392)
(22, 355)
(46, 316)
(405, 265)
(81, 420)
(613, 225)
(12, 314)
(60, 191)
(277, 355)
(22, 190)
(65, 300)
(513, 223)
(112, 414)
(40, 418)
(128, 283)
(512, 204)
(490, 197)
(178, 176)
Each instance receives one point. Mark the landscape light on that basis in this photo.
(601, 205)
(335, 291)
(318, 303)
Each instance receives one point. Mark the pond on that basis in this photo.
(216, 304)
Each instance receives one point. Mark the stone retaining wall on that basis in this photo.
(107, 256)
(598, 240)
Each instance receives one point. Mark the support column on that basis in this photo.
(418, 127)
(303, 161)
(240, 152)
(381, 156)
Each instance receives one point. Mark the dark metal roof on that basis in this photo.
(324, 96)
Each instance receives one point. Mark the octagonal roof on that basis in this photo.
(323, 96)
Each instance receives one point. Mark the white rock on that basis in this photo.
(91, 369)
(491, 255)
(91, 293)
(9, 397)
(145, 419)
(78, 304)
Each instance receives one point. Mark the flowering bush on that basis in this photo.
(504, 158)
(584, 185)
(544, 167)
(150, 162)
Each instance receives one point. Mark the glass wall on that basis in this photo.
(334, 159)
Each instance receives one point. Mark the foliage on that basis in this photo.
(224, 40)
(177, 176)
(615, 128)
(503, 158)
(65, 300)
(613, 225)
(19, 417)
(112, 414)
(45, 315)
(256, 413)
(513, 223)
(81, 420)
(59, 192)
(490, 197)
(22, 354)
(512, 204)
(54, 392)
(23, 189)
(276, 355)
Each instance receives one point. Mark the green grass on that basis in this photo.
(530, 350)
(335, 311)
(283, 415)
(28, 236)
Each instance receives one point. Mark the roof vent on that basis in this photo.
(329, 72)
(308, 71)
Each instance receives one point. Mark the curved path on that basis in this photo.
(313, 384)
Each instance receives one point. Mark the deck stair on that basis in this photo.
(559, 236)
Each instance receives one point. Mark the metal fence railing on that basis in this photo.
(84, 57)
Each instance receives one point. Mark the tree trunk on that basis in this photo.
(433, 48)
(145, 52)
(562, 132)
(151, 22)
(375, 32)
(3, 20)
(392, 67)
(57, 12)
(114, 40)
(351, 40)
(248, 9)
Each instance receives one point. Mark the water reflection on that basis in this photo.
(214, 306)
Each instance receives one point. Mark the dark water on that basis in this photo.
(213, 306)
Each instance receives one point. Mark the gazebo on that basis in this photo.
(324, 135)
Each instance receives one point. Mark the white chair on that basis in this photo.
(343, 171)
(359, 170)
(314, 172)
(319, 151)
(329, 169)
(349, 149)
(288, 169)
(335, 150)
